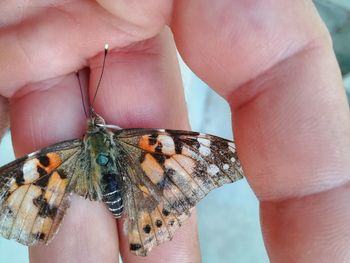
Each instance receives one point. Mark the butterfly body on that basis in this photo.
(153, 176)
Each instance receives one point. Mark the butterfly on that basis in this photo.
(154, 176)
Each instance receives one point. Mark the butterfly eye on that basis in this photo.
(102, 159)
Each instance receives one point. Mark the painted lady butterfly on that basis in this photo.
(154, 175)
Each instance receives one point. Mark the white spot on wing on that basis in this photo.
(30, 172)
(226, 166)
(213, 169)
(204, 141)
(231, 147)
(233, 159)
(168, 145)
(204, 148)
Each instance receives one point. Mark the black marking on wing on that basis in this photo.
(44, 160)
(45, 210)
(19, 178)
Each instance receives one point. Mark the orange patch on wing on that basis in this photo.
(55, 189)
(54, 161)
(165, 141)
(152, 169)
(144, 144)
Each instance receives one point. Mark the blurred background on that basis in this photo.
(229, 227)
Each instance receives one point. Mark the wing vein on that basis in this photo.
(19, 208)
(166, 227)
(153, 228)
(135, 219)
(68, 183)
(189, 174)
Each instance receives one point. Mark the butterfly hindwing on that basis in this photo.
(148, 228)
(33, 195)
(149, 223)
(173, 170)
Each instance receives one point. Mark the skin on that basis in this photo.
(271, 60)
(3, 116)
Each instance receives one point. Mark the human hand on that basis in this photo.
(42, 45)
(271, 60)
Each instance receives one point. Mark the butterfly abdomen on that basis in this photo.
(112, 194)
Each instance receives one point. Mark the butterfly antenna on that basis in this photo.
(82, 94)
(103, 69)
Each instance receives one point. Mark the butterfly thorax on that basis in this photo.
(101, 180)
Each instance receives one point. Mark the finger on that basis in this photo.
(4, 122)
(150, 15)
(247, 39)
(147, 16)
(49, 44)
(144, 89)
(308, 229)
(291, 117)
(278, 126)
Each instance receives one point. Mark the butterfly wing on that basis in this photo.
(149, 223)
(170, 171)
(33, 193)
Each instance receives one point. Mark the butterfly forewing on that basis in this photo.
(173, 170)
(33, 195)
